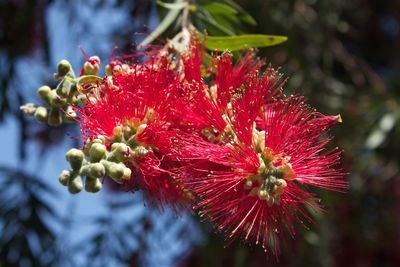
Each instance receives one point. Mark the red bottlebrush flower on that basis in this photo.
(255, 189)
(129, 106)
(234, 87)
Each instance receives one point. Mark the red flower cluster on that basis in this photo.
(223, 138)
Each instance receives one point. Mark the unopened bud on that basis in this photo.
(117, 133)
(75, 158)
(96, 170)
(64, 88)
(288, 172)
(70, 115)
(41, 114)
(127, 174)
(64, 176)
(119, 152)
(75, 184)
(116, 171)
(44, 93)
(92, 66)
(28, 108)
(55, 117)
(93, 185)
(62, 69)
(56, 100)
(97, 152)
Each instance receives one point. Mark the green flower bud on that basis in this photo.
(97, 152)
(55, 117)
(44, 93)
(114, 170)
(127, 174)
(64, 177)
(93, 185)
(70, 115)
(75, 158)
(117, 133)
(75, 184)
(62, 69)
(119, 152)
(56, 100)
(64, 88)
(28, 108)
(96, 170)
(41, 114)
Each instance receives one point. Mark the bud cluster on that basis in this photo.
(58, 102)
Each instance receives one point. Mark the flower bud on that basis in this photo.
(62, 69)
(96, 170)
(75, 158)
(75, 184)
(41, 114)
(64, 88)
(127, 174)
(70, 115)
(64, 177)
(55, 117)
(92, 66)
(263, 194)
(28, 108)
(119, 152)
(97, 152)
(287, 171)
(44, 93)
(117, 133)
(56, 100)
(116, 171)
(93, 185)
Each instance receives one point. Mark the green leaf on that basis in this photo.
(210, 22)
(234, 43)
(244, 16)
(219, 8)
(172, 6)
(164, 24)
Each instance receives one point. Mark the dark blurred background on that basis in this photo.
(343, 55)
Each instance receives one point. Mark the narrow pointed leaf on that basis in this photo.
(234, 43)
(164, 24)
(172, 6)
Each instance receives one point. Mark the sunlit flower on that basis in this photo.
(129, 105)
(256, 153)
